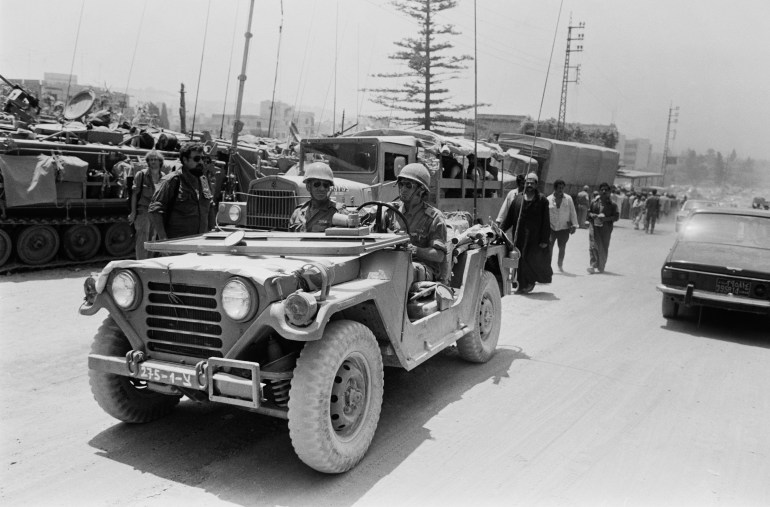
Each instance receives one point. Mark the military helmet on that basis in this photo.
(416, 172)
(318, 171)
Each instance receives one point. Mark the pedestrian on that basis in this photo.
(637, 210)
(563, 218)
(602, 214)
(426, 223)
(528, 217)
(317, 214)
(652, 208)
(146, 182)
(181, 203)
(583, 200)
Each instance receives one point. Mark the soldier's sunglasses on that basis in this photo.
(406, 184)
(318, 183)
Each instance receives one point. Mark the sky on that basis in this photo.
(709, 58)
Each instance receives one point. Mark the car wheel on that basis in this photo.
(669, 307)
(336, 397)
(124, 398)
(479, 345)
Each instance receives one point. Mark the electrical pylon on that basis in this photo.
(565, 79)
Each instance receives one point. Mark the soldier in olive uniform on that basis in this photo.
(181, 203)
(427, 226)
(316, 214)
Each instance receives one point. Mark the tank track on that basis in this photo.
(13, 226)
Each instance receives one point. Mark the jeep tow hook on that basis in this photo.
(133, 358)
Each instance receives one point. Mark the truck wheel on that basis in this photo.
(669, 307)
(124, 398)
(336, 397)
(479, 345)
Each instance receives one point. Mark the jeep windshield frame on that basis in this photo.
(280, 243)
(344, 156)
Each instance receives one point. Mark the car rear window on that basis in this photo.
(728, 230)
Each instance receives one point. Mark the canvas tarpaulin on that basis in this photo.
(28, 180)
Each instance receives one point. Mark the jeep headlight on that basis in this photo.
(126, 289)
(234, 213)
(239, 299)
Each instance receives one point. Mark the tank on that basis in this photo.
(66, 201)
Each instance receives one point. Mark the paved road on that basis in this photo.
(593, 399)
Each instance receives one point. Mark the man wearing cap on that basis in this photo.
(316, 215)
(529, 219)
(427, 226)
(180, 205)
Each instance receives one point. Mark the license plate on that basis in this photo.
(166, 377)
(737, 287)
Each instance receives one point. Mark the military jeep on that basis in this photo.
(293, 325)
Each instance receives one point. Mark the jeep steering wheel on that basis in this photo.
(379, 226)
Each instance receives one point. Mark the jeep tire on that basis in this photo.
(336, 397)
(124, 398)
(479, 345)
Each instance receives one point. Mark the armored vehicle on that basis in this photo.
(293, 325)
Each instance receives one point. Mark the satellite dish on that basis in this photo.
(79, 105)
(235, 238)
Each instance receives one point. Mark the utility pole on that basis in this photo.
(565, 79)
(673, 117)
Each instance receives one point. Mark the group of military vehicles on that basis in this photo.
(297, 326)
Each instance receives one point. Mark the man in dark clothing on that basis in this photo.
(602, 214)
(652, 205)
(181, 203)
(531, 234)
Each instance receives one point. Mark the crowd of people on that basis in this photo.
(539, 224)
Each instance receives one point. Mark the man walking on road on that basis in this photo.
(602, 214)
(652, 206)
(583, 200)
(532, 236)
(563, 220)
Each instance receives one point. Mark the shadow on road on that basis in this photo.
(717, 324)
(248, 459)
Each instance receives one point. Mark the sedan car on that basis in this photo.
(687, 208)
(721, 259)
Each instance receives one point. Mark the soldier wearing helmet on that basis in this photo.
(316, 214)
(427, 227)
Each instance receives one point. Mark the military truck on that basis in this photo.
(292, 325)
(365, 168)
(577, 164)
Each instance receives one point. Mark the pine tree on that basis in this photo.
(423, 98)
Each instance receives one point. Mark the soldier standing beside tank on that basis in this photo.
(316, 215)
(180, 205)
(427, 226)
(145, 183)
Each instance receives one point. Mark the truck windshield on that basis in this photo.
(343, 157)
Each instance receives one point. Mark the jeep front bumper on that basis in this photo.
(228, 381)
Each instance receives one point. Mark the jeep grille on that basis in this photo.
(270, 208)
(183, 320)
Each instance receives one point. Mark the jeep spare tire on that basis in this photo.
(336, 397)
